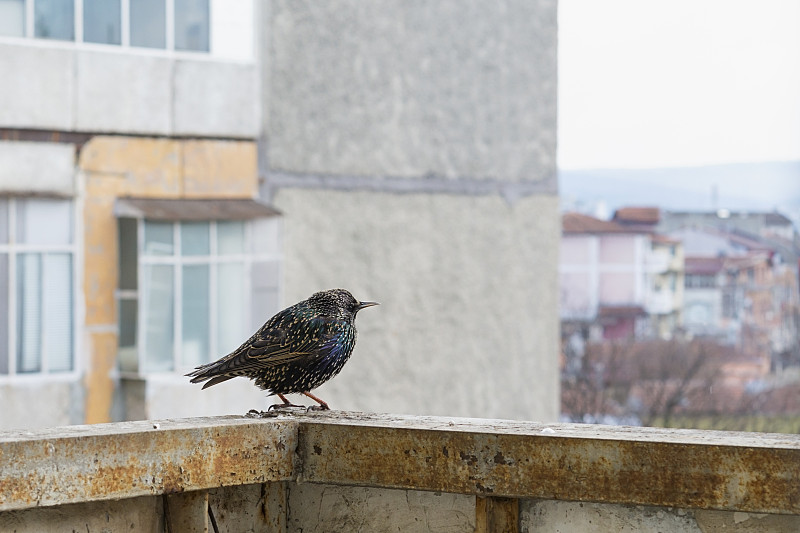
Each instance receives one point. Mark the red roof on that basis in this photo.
(703, 265)
(578, 223)
(621, 311)
(638, 215)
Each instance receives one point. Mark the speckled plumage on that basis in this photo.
(295, 351)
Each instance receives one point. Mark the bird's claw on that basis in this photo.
(317, 408)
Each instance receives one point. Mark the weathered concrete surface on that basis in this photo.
(678, 468)
(331, 509)
(411, 148)
(61, 400)
(451, 88)
(73, 89)
(75, 464)
(336, 471)
(44, 168)
(142, 515)
(547, 516)
(468, 289)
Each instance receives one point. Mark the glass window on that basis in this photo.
(191, 25)
(29, 312)
(195, 323)
(12, 18)
(43, 221)
(148, 23)
(4, 313)
(57, 311)
(198, 302)
(230, 237)
(194, 238)
(231, 316)
(101, 21)
(158, 237)
(54, 19)
(158, 317)
(3, 220)
(36, 272)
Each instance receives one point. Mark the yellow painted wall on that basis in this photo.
(113, 167)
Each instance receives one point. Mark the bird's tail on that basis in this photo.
(209, 374)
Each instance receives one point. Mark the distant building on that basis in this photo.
(742, 292)
(618, 282)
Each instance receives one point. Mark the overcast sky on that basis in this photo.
(655, 83)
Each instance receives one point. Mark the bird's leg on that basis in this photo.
(286, 403)
(322, 405)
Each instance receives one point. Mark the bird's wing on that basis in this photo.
(279, 343)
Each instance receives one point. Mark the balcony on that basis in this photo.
(339, 471)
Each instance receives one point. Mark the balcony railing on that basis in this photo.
(339, 471)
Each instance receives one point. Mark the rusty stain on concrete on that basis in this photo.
(89, 463)
(497, 459)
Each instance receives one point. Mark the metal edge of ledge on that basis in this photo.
(72, 464)
(640, 466)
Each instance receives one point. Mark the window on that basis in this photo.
(135, 23)
(102, 22)
(54, 19)
(700, 281)
(191, 25)
(149, 23)
(192, 291)
(36, 286)
(12, 18)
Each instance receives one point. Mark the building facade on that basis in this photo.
(107, 305)
(174, 172)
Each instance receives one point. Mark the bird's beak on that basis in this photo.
(362, 305)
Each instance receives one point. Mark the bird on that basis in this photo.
(295, 351)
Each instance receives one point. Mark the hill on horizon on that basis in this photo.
(766, 186)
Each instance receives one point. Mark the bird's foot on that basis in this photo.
(323, 407)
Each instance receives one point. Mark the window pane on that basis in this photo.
(128, 309)
(230, 237)
(12, 18)
(127, 322)
(148, 23)
(54, 19)
(3, 220)
(57, 311)
(195, 347)
(194, 238)
(158, 317)
(44, 221)
(158, 238)
(4, 314)
(29, 312)
(128, 252)
(101, 21)
(191, 25)
(231, 316)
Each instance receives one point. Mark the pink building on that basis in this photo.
(618, 281)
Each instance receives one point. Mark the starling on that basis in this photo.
(296, 350)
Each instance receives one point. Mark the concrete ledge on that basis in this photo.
(74, 464)
(491, 458)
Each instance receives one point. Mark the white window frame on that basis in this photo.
(169, 50)
(12, 250)
(177, 261)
